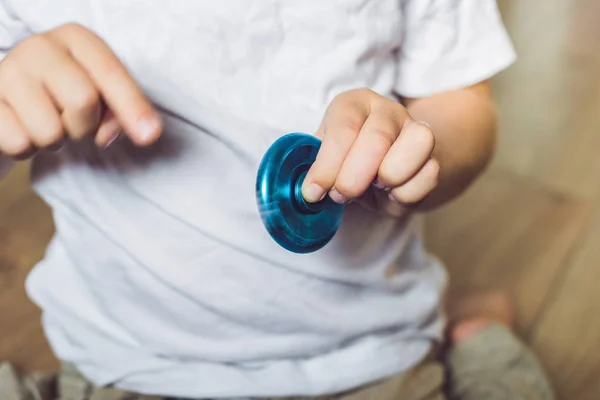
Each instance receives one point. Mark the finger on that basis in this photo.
(33, 107)
(69, 86)
(109, 130)
(341, 126)
(375, 201)
(408, 155)
(395, 209)
(13, 136)
(419, 186)
(75, 94)
(391, 207)
(360, 167)
(121, 93)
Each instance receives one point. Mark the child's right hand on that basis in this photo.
(67, 83)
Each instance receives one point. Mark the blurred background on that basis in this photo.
(530, 225)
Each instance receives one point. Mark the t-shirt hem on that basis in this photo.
(382, 365)
(148, 374)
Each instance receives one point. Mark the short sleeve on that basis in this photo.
(450, 44)
(12, 29)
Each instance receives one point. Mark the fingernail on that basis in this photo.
(313, 193)
(147, 127)
(378, 184)
(337, 197)
(424, 123)
(392, 198)
(113, 139)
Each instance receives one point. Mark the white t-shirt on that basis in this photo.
(161, 278)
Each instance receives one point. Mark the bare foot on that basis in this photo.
(470, 314)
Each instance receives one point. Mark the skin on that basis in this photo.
(68, 84)
(402, 158)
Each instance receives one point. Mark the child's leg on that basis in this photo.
(486, 360)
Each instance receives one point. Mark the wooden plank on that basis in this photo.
(25, 228)
(549, 100)
(568, 332)
(510, 233)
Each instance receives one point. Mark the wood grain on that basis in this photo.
(568, 332)
(508, 233)
(25, 228)
(549, 107)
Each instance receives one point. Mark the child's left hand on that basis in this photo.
(371, 141)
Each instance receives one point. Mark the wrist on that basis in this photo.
(464, 126)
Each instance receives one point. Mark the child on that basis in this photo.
(148, 120)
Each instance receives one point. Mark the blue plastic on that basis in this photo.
(295, 224)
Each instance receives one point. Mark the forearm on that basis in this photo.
(464, 126)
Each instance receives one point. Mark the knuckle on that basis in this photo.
(84, 100)
(364, 92)
(11, 73)
(385, 134)
(63, 35)
(353, 95)
(112, 70)
(70, 28)
(388, 114)
(35, 44)
(383, 104)
(347, 188)
(340, 97)
(424, 136)
(320, 174)
(386, 174)
(52, 133)
(350, 126)
(13, 69)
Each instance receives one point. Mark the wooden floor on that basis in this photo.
(530, 225)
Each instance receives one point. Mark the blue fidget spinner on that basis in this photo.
(295, 224)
